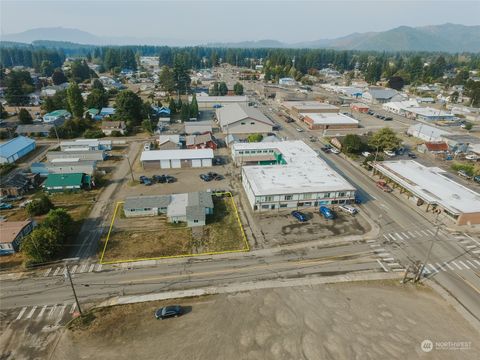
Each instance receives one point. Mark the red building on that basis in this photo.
(204, 141)
(359, 107)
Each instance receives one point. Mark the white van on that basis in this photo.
(147, 146)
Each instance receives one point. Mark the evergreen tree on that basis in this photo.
(185, 112)
(18, 85)
(24, 117)
(75, 100)
(238, 89)
(129, 107)
(222, 89)
(58, 77)
(96, 99)
(194, 107)
(172, 106)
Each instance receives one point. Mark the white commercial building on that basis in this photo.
(288, 175)
(214, 102)
(430, 186)
(86, 145)
(166, 159)
(427, 132)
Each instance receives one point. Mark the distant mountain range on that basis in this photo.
(445, 38)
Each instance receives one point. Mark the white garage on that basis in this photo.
(167, 159)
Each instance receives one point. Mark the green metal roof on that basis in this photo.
(62, 112)
(56, 180)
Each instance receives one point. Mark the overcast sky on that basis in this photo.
(207, 21)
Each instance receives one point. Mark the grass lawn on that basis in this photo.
(152, 237)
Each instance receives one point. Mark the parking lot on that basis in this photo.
(282, 228)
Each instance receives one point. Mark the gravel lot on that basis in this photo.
(343, 321)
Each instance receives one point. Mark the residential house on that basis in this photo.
(57, 115)
(243, 119)
(108, 127)
(433, 148)
(169, 142)
(201, 142)
(12, 233)
(64, 166)
(34, 129)
(66, 182)
(18, 184)
(16, 148)
(427, 132)
(198, 127)
(381, 95)
(161, 111)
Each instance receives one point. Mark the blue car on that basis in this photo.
(5, 206)
(299, 216)
(327, 213)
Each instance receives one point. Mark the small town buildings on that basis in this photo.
(191, 208)
(426, 132)
(86, 145)
(328, 121)
(110, 126)
(399, 107)
(204, 141)
(288, 175)
(169, 142)
(64, 166)
(34, 129)
(198, 127)
(381, 95)
(432, 187)
(18, 184)
(16, 148)
(433, 148)
(360, 107)
(161, 111)
(106, 112)
(428, 114)
(295, 108)
(12, 233)
(66, 182)
(214, 102)
(98, 155)
(287, 81)
(462, 142)
(167, 159)
(243, 119)
(57, 115)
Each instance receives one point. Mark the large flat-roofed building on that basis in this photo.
(428, 114)
(213, 102)
(82, 155)
(430, 186)
(293, 176)
(16, 148)
(86, 145)
(296, 108)
(166, 159)
(243, 119)
(327, 121)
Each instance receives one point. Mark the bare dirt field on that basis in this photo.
(282, 228)
(151, 237)
(368, 320)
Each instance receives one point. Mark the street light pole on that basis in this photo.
(130, 166)
(73, 290)
(427, 258)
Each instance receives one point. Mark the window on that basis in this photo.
(341, 194)
(265, 206)
(288, 197)
(283, 205)
(242, 123)
(268, 198)
(307, 196)
(252, 123)
(326, 195)
(195, 221)
(240, 152)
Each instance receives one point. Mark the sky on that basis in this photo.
(229, 21)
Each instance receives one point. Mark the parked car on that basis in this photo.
(325, 149)
(289, 120)
(384, 186)
(217, 161)
(215, 176)
(299, 216)
(462, 173)
(412, 155)
(299, 129)
(366, 154)
(358, 199)
(370, 112)
(5, 206)
(388, 118)
(471, 157)
(142, 179)
(312, 139)
(205, 177)
(327, 213)
(348, 209)
(335, 150)
(168, 311)
(389, 153)
(147, 182)
(170, 179)
(476, 179)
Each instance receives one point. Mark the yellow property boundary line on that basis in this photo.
(229, 194)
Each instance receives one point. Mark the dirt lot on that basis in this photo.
(282, 228)
(151, 237)
(344, 321)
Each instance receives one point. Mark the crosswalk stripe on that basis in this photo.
(471, 264)
(379, 250)
(388, 259)
(371, 240)
(74, 268)
(411, 234)
(478, 262)
(476, 251)
(398, 270)
(386, 238)
(72, 309)
(20, 314)
(405, 235)
(440, 266)
(454, 263)
(384, 254)
(56, 271)
(31, 312)
(83, 268)
(374, 245)
(418, 233)
(470, 247)
(91, 268)
(430, 232)
(42, 311)
(62, 309)
(392, 237)
(99, 267)
(393, 264)
(47, 272)
(425, 269)
(433, 267)
(461, 262)
(398, 236)
(449, 266)
(424, 232)
(52, 310)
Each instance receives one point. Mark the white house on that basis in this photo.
(243, 119)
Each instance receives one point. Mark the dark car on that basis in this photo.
(299, 216)
(325, 149)
(168, 311)
(205, 177)
(217, 161)
(388, 118)
(476, 179)
(147, 182)
(158, 178)
(215, 176)
(169, 179)
(142, 179)
(412, 155)
(370, 112)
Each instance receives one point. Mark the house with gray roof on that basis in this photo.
(243, 119)
(191, 208)
(381, 95)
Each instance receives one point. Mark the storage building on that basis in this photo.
(14, 149)
(166, 159)
(329, 121)
(243, 119)
(98, 155)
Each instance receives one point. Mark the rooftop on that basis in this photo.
(176, 154)
(54, 180)
(308, 105)
(235, 112)
(10, 229)
(382, 93)
(13, 146)
(429, 112)
(326, 118)
(220, 99)
(431, 184)
(153, 201)
(62, 112)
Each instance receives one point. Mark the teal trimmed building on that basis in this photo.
(66, 182)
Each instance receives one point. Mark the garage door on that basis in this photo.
(165, 164)
(176, 164)
(206, 162)
(196, 163)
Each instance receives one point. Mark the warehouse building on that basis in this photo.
(295, 108)
(426, 132)
(243, 119)
(360, 107)
(329, 121)
(64, 166)
(98, 155)
(206, 102)
(86, 145)
(200, 127)
(431, 187)
(16, 148)
(66, 182)
(295, 178)
(175, 159)
(191, 208)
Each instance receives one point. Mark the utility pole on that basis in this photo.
(73, 289)
(427, 258)
(130, 166)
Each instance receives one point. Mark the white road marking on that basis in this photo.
(83, 268)
(425, 269)
(464, 241)
(20, 314)
(49, 270)
(388, 259)
(384, 254)
(31, 312)
(99, 267)
(430, 232)
(56, 271)
(398, 236)
(461, 262)
(392, 237)
(371, 241)
(398, 270)
(411, 234)
(374, 245)
(74, 269)
(471, 264)
(62, 309)
(379, 250)
(393, 264)
(42, 311)
(91, 268)
(72, 309)
(383, 267)
(454, 263)
(449, 266)
(433, 267)
(424, 232)
(52, 310)
(471, 238)
(476, 251)
(440, 266)
(418, 233)
(405, 235)
(470, 247)
(386, 238)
